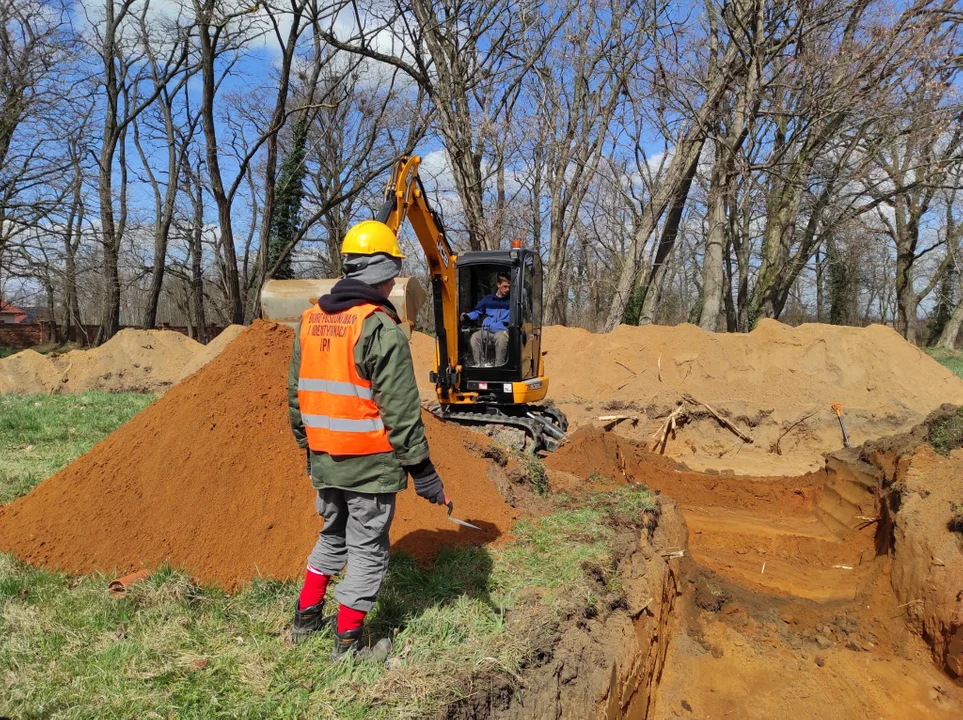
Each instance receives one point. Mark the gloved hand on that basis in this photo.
(427, 482)
(307, 461)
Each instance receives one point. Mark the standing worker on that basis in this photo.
(354, 407)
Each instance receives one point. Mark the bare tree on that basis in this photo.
(470, 59)
(36, 49)
(123, 74)
(579, 85)
(673, 187)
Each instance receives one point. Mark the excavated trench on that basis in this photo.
(783, 602)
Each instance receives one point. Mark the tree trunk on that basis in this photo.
(197, 272)
(232, 285)
(162, 229)
(712, 264)
(110, 317)
(680, 171)
(653, 289)
(556, 290)
(950, 336)
(906, 298)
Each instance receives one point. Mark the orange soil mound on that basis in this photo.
(766, 380)
(209, 479)
(210, 351)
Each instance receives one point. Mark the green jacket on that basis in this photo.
(382, 356)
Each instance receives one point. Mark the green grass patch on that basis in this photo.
(170, 648)
(40, 434)
(946, 434)
(531, 470)
(44, 349)
(951, 359)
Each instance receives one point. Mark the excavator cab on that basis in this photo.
(507, 355)
(487, 372)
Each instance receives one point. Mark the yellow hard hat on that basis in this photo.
(371, 237)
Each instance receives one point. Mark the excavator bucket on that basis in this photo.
(284, 301)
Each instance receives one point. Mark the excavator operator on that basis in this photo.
(354, 408)
(496, 308)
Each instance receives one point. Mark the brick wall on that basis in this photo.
(22, 335)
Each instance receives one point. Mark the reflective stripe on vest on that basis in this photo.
(333, 387)
(338, 409)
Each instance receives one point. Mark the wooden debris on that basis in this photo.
(677, 418)
(789, 429)
(612, 420)
(722, 421)
(659, 364)
(617, 362)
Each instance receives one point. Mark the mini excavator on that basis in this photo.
(471, 385)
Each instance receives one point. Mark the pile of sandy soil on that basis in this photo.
(765, 380)
(209, 479)
(149, 361)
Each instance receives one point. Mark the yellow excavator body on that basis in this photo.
(490, 374)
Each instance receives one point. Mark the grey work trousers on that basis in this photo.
(355, 534)
(482, 342)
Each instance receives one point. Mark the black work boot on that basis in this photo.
(349, 643)
(309, 621)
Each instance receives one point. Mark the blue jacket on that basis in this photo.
(497, 311)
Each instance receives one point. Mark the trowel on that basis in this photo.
(838, 409)
(451, 506)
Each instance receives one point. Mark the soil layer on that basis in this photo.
(780, 614)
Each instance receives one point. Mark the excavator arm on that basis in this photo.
(405, 198)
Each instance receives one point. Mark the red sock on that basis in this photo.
(349, 618)
(315, 585)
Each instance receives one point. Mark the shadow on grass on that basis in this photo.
(412, 590)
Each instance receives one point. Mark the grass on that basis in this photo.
(946, 434)
(532, 470)
(170, 648)
(951, 359)
(39, 434)
(44, 349)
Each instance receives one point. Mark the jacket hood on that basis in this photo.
(347, 294)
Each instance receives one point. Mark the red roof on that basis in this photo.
(19, 316)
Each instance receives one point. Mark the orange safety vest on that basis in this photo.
(338, 409)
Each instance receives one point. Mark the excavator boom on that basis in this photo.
(405, 198)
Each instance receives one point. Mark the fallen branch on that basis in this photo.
(670, 426)
(612, 420)
(722, 421)
(789, 429)
(617, 362)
